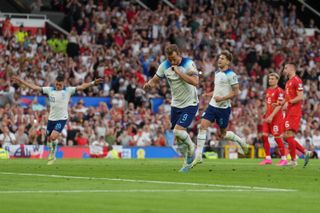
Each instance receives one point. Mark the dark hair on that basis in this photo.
(171, 49)
(60, 78)
(292, 64)
(227, 54)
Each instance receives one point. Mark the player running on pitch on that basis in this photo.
(182, 76)
(226, 87)
(59, 97)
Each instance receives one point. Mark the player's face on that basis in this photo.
(59, 85)
(174, 58)
(223, 61)
(288, 70)
(273, 81)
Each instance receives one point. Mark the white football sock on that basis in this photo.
(184, 137)
(201, 139)
(233, 137)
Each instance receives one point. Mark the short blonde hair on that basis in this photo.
(274, 74)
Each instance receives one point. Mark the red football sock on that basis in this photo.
(266, 145)
(299, 147)
(280, 146)
(292, 147)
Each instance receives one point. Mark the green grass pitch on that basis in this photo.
(154, 185)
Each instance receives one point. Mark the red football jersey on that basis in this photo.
(273, 95)
(293, 86)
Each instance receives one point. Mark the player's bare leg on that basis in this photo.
(52, 143)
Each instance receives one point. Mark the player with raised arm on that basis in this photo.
(226, 87)
(182, 76)
(273, 120)
(293, 112)
(59, 97)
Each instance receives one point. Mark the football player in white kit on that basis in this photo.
(226, 86)
(59, 97)
(182, 76)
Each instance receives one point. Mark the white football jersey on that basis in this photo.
(223, 82)
(183, 94)
(59, 102)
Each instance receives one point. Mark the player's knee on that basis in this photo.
(178, 133)
(53, 136)
(221, 134)
(288, 134)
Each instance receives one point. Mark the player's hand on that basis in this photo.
(285, 106)
(218, 98)
(147, 86)
(98, 81)
(207, 94)
(274, 105)
(175, 69)
(16, 79)
(268, 119)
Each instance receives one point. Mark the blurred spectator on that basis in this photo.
(7, 28)
(21, 34)
(81, 139)
(21, 136)
(36, 5)
(41, 137)
(7, 137)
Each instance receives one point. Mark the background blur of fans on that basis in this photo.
(124, 44)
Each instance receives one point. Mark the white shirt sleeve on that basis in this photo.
(160, 71)
(46, 90)
(233, 79)
(71, 90)
(192, 69)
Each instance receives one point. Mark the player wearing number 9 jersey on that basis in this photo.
(182, 76)
(293, 112)
(273, 120)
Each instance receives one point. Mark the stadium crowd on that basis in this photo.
(124, 44)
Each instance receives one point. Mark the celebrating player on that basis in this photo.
(293, 111)
(226, 86)
(182, 76)
(59, 97)
(273, 119)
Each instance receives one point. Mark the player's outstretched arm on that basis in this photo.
(92, 83)
(153, 82)
(25, 83)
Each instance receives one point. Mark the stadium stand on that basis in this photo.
(124, 44)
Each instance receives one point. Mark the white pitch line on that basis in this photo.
(252, 188)
(129, 191)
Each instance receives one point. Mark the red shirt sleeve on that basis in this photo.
(298, 85)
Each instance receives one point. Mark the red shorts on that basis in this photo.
(273, 128)
(292, 123)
